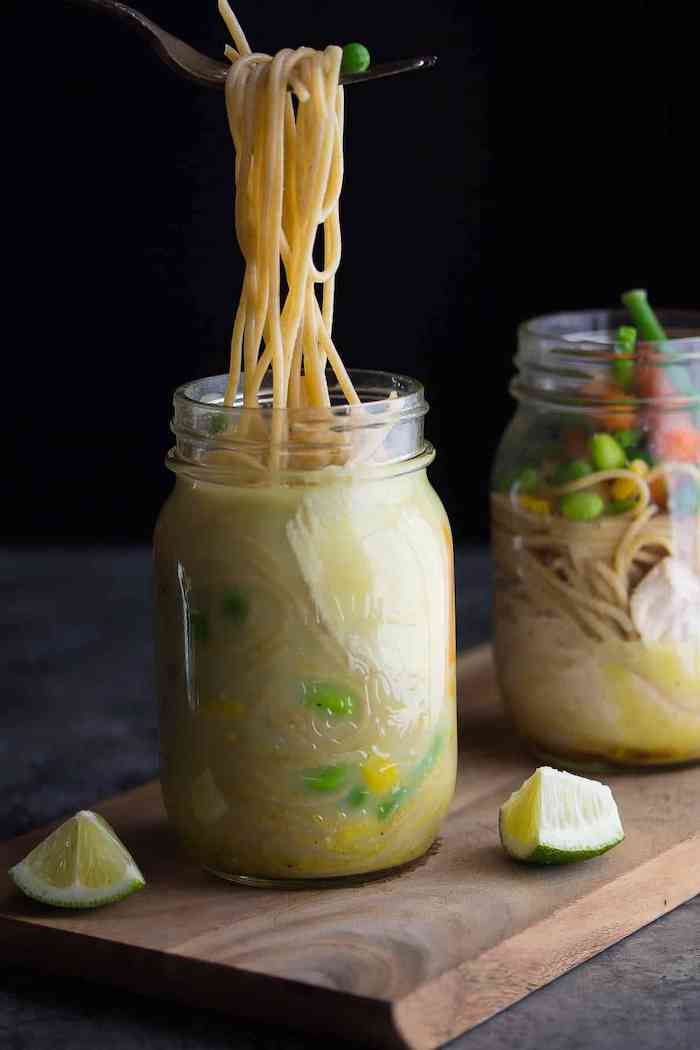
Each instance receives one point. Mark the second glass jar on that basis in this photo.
(596, 541)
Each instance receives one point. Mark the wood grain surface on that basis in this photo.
(410, 961)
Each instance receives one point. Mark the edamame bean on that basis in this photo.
(606, 454)
(235, 606)
(328, 697)
(582, 506)
(325, 778)
(528, 480)
(572, 471)
(356, 59)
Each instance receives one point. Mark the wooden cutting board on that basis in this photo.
(410, 961)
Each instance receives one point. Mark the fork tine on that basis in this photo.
(390, 69)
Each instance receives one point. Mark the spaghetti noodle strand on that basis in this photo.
(286, 119)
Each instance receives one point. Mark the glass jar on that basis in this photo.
(595, 529)
(305, 635)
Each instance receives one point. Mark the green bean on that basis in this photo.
(645, 320)
(625, 343)
(356, 59)
(582, 506)
(606, 454)
(325, 778)
(572, 471)
(651, 330)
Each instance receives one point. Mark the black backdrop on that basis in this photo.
(476, 195)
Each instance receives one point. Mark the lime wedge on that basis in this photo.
(557, 818)
(82, 864)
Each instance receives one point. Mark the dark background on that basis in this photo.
(476, 195)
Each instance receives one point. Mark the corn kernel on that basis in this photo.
(624, 488)
(534, 504)
(639, 467)
(380, 774)
(358, 836)
(223, 709)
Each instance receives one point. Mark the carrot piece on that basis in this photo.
(659, 492)
(623, 416)
(652, 380)
(677, 442)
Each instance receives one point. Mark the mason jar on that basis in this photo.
(305, 635)
(595, 528)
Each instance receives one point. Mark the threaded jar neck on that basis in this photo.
(569, 360)
(386, 430)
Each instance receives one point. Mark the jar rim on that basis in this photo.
(591, 331)
(384, 389)
(385, 428)
(568, 358)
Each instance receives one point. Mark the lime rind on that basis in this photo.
(559, 818)
(82, 864)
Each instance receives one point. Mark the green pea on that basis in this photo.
(357, 797)
(389, 806)
(325, 778)
(328, 697)
(199, 625)
(627, 439)
(582, 506)
(566, 472)
(606, 454)
(356, 59)
(620, 506)
(235, 606)
(217, 423)
(528, 480)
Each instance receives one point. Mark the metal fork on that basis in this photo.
(192, 64)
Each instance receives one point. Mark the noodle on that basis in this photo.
(587, 571)
(289, 172)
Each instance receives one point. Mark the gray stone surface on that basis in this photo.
(77, 723)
